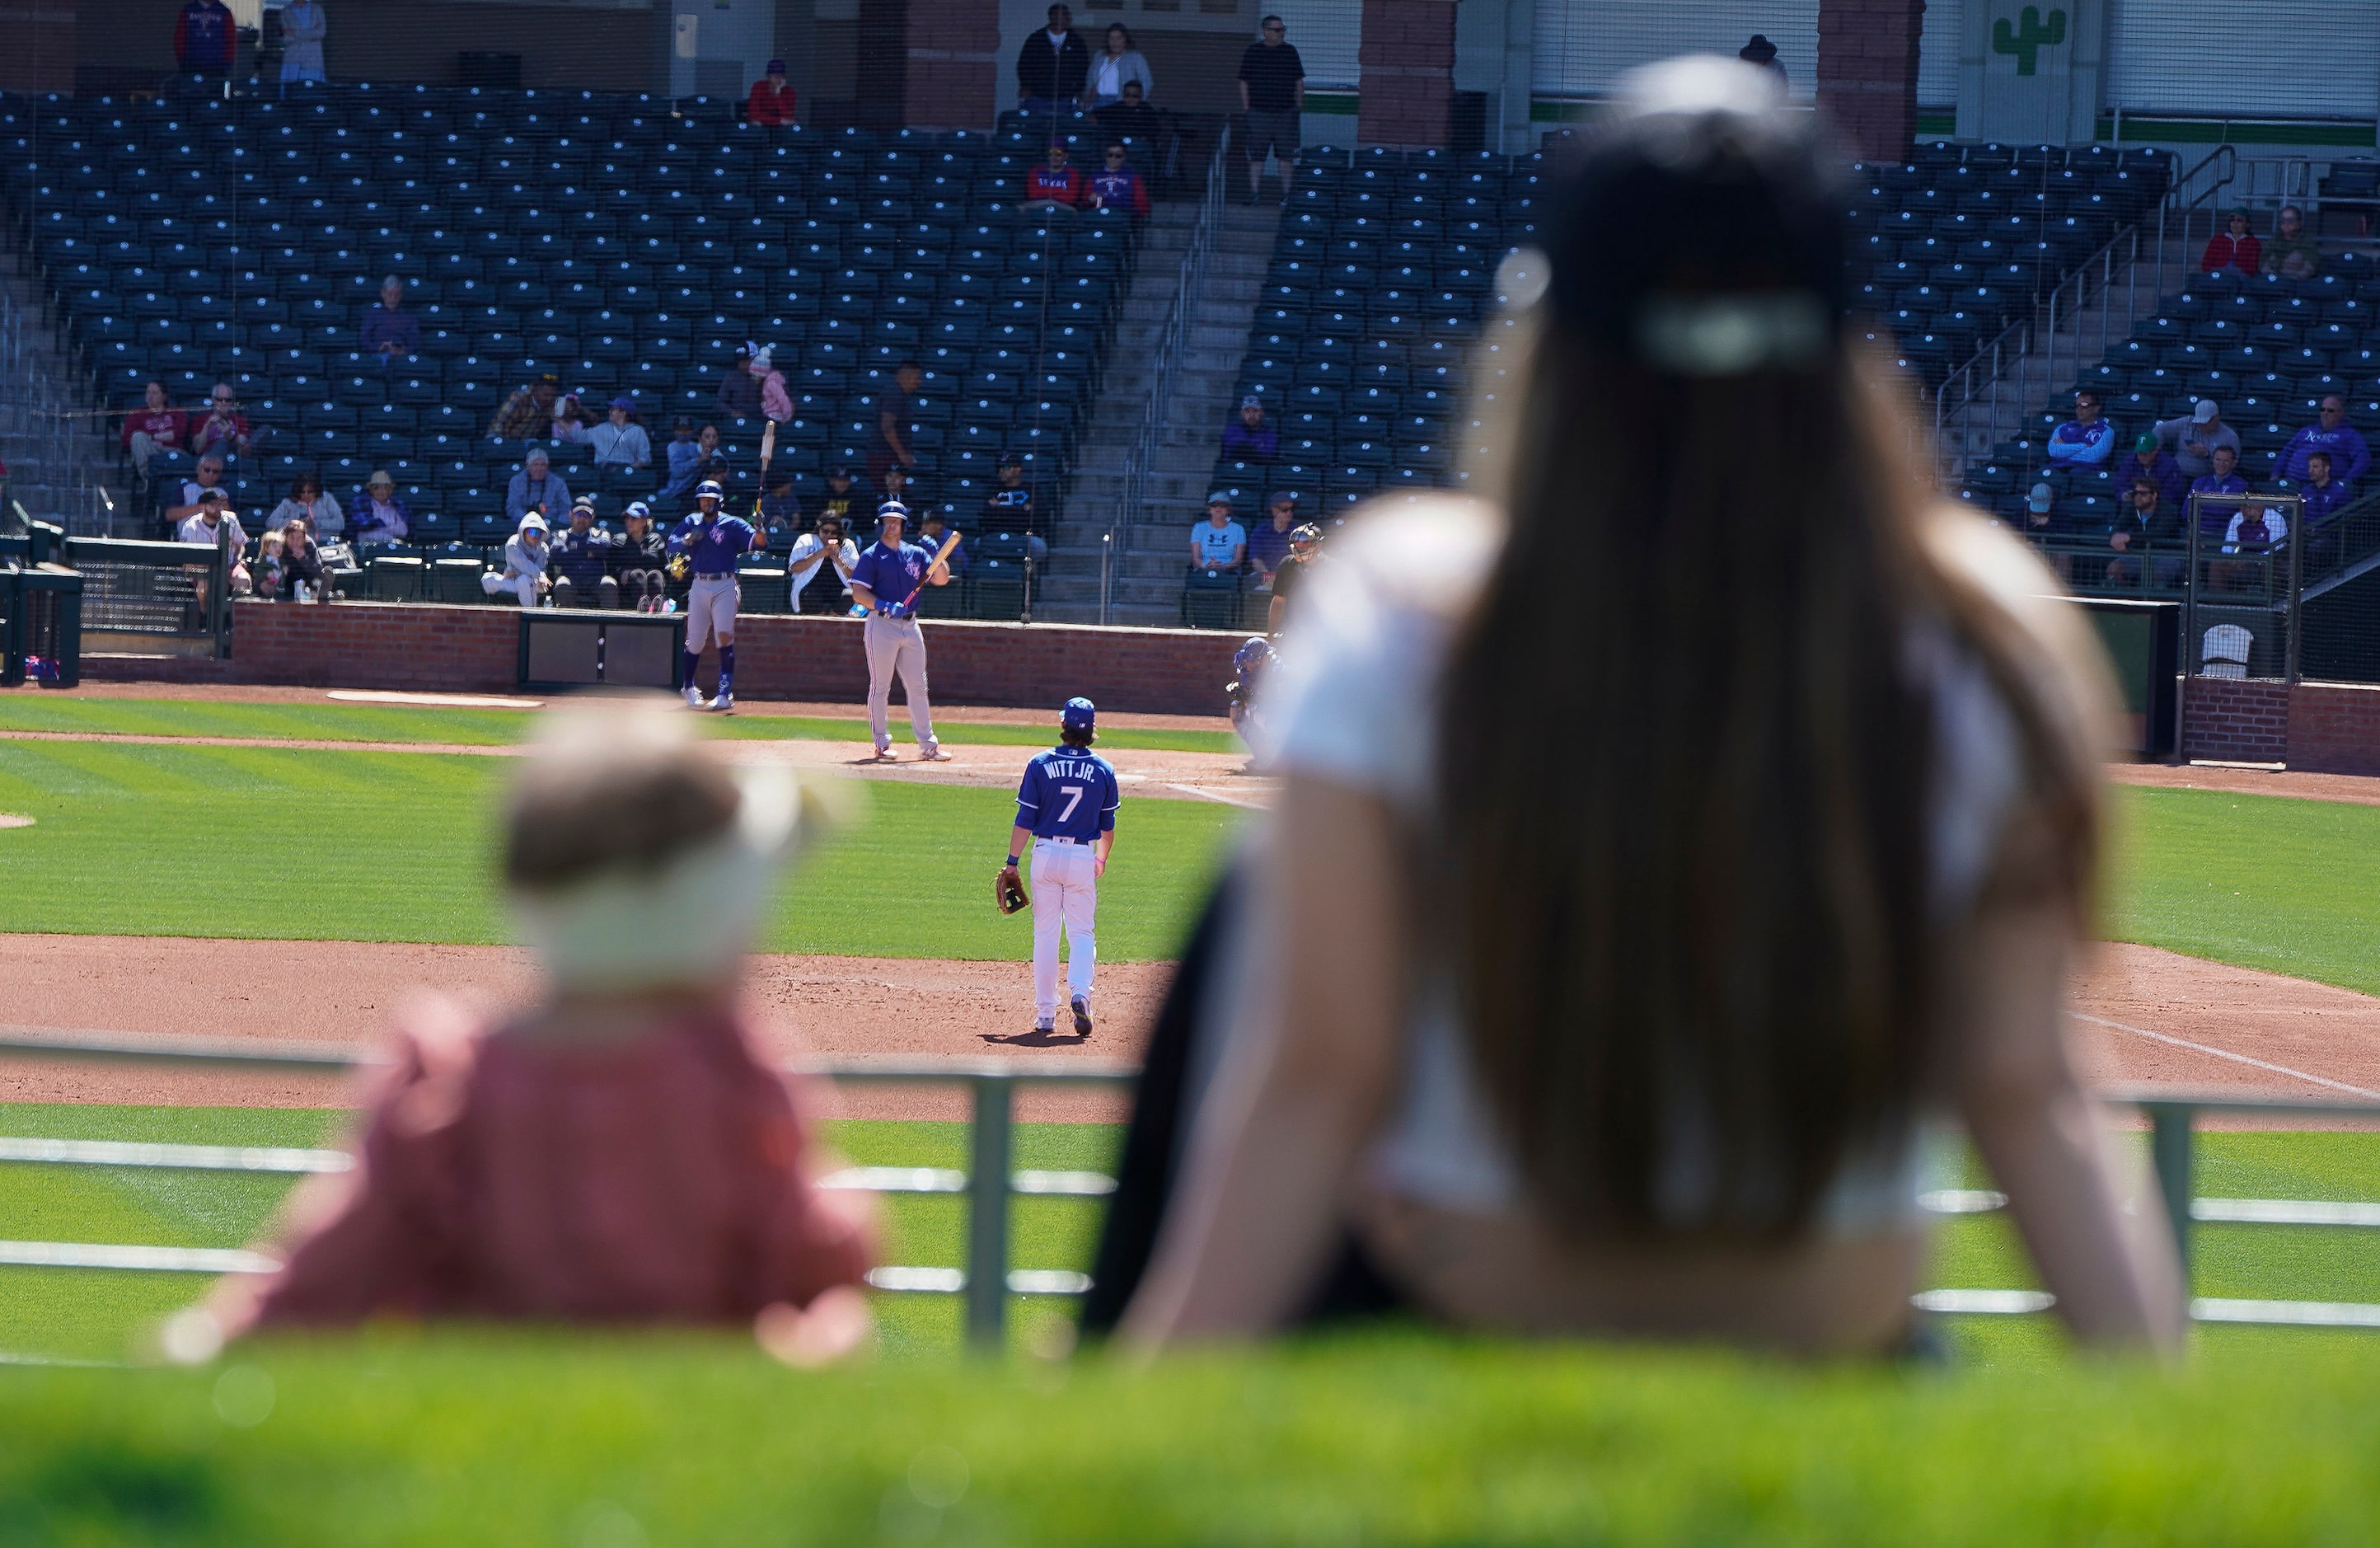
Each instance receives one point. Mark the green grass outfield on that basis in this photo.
(163, 840)
(338, 722)
(145, 839)
(468, 1438)
(92, 1314)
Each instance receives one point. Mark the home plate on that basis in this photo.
(439, 701)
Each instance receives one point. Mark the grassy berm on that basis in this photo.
(467, 1438)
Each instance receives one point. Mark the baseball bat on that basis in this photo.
(948, 543)
(767, 455)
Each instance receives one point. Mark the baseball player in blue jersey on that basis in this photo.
(1066, 806)
(711, 543)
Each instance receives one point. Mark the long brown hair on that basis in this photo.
(1688, 768)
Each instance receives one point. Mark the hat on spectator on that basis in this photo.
(1010, 459)
(2146, 443)
(211, 496)
(625, 405)
(584, 503)
(1218, 498)
(840, 471)
(2039, 499)
(2205, 410)
(533, 522)
(1252, 401)
(1282, 497)
(549, 376)
(380, 480)
(776, 66)
(638, 511)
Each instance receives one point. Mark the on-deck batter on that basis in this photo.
(1066, 805)
(712, 543)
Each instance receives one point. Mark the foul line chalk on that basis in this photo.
(2235, 1058)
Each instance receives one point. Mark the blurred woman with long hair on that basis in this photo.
(1635, 901)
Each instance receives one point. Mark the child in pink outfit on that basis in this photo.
(621, 1154)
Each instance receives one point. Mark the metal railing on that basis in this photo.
(991, 1180)
(37, 413)
(1180, 318)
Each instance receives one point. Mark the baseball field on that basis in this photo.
(279, 864)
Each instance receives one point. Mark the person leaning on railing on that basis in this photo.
(1646, 911)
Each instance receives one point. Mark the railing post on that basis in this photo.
(2170, 1150)
(989, 1167)
(2296, 540)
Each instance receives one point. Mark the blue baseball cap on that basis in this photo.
(1077, 715)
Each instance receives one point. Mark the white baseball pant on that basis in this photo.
(1066, 892)
(711, 603)
(896, 645)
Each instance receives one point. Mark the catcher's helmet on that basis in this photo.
(1253, 654)
(1079, 715)
(709, 490)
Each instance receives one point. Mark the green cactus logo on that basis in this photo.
(2028, 37)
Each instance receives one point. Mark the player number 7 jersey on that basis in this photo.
(1067, 793)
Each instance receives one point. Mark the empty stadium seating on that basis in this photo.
(625, 246)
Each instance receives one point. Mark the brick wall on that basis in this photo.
(1867, 73)
(1407, 83)
(2245, 721)
(2334, 728)
(425, 647)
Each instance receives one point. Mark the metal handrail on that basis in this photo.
(1180, 314)
(990, 1180)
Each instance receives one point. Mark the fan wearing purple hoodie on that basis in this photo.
(2085, 440)
(2349, 457)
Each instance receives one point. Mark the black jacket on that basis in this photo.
(2167, 527)
(1053, 74)
(579, 557)
(628, 553)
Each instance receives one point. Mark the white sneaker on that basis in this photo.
(693, 696)
(723, 703)
(934, 755)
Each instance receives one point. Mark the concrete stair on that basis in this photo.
(1154, 541)
(62, 471)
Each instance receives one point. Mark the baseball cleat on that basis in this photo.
(1045, 1027)
(1082, 1017)
(933, 755)
(724, 704)
(693, 696)
(886, 755)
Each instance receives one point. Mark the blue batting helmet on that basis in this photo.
(709, 490)
(1079, 714)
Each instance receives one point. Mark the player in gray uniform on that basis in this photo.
(710, 544)
(886, 582)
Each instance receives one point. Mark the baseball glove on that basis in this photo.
(1008, 890)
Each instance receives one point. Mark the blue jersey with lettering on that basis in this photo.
(715, 548)
(1068, 792)
(895, 572)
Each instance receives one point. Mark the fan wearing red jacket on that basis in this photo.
(1116, 186)
(1055, 182)
(770, 107)
(2237, 248)
(153, 427)
(205, 38)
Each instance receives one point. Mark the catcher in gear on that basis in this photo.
(1066, 808)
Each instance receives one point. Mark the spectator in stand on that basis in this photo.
(640, 558)
(1119, 64)
(620, 443)
(303, 28)
(526, 555)
(819, 566)
(1054, 183)
(781, 510)
(841, 500)
(2149, 524)
(1012, 506)
(537, 489)
(264, 570)
(1116, 186)
(1218, 543)
(206, 39)
(2085, 440)
(685, 456)
(1052, 66)
(581, 562)
(308, 503)
(2196, 436)
(2291, 253)
(1141, 128)
(213, 521)
(224, 428)
(2253, 533)
(569, 428)
(2221, 479)
(888, 440)
(209, 476)
(1759, 51)
(528, 413)
(153, 427)
(2350, 459)
(1272, 96)
(1304, 553)
(2234, 249)
(390, 332)
(381, 517)
(776, 403)
(933, 531)
(2149, 459)
(739, 391)
(1269, 544)
(2320, 499)
(304, 576)
(770, 105)
(1249, 439)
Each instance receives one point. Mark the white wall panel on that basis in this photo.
(1583, 46)
(2281, 58)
